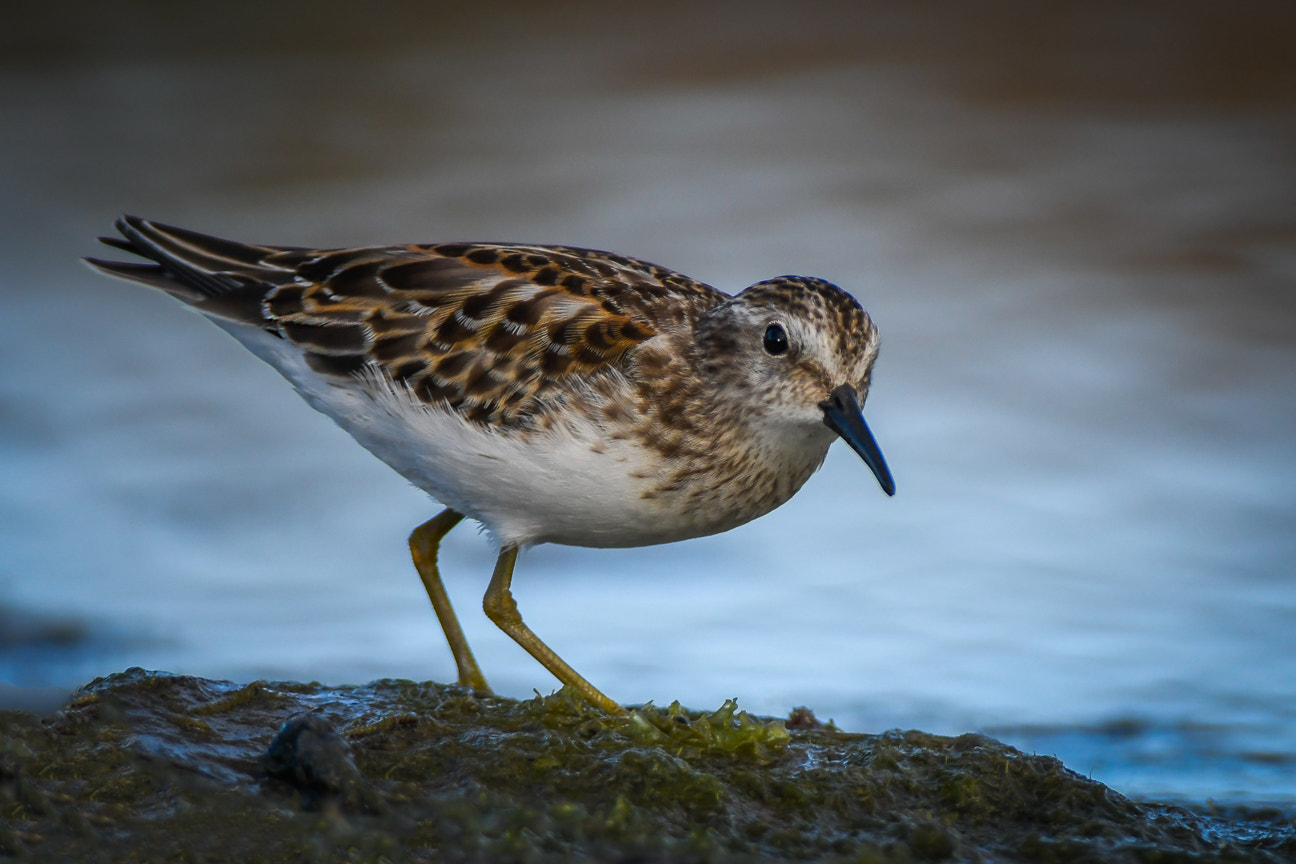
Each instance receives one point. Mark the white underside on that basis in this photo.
(572, 486)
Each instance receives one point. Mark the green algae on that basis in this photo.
(143, 766)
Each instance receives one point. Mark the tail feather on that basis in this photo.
(201, 261)
(152, 275)
(118, 243)
(220, 277)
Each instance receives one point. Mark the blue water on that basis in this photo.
(1085, 387)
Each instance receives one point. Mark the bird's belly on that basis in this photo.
(560, 487)
(570, 485)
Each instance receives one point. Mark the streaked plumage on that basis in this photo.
(554, 394)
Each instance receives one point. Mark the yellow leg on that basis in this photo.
(502, 609)
(423, 549)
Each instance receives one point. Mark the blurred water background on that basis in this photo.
(1075, 225)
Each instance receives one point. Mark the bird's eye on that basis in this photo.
(776, 341)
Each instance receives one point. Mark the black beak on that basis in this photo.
(842, 415)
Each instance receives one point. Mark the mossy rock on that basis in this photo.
(145, 766)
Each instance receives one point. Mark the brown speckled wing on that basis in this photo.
(488, 330)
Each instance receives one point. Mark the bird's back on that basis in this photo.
(491, 331)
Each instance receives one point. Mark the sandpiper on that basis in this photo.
(553, 394)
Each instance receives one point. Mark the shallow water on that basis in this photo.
(1076, 232)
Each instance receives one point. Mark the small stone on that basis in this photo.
(310, 755)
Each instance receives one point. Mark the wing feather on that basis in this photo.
(492, 331)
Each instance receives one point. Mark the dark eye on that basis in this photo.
(776, 342)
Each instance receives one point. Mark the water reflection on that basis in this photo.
(1075, 231)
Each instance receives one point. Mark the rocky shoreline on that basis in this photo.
(148, 766)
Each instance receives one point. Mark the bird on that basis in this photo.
(553, 394)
